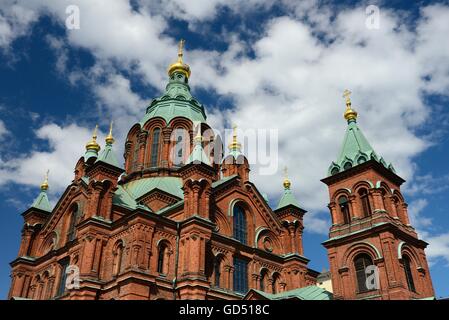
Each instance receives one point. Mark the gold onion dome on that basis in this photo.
(44, 185)
(109, 138)
(92, 144)
(179, 65)
(234, 145)
(350, 114)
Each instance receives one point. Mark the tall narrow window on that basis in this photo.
(155, 148)
(344, 208)
(239, 224)
(161, 259)
(363, 193)
(263, 277)
(217, 271)
(274, 288)
(240, 275)
(63, 278)
(72, 223)
(118, 257)
(408, 273)
(361, 262)
(135, 157)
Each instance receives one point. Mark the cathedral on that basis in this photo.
(181, 219)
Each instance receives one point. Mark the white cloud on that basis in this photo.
(293, 83)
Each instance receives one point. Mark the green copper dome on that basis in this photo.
(177, 101)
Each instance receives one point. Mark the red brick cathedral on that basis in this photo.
(182, 221)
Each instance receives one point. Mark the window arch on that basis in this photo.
(64, 264)
(263, 279)
(334, 170)
(364, 199)
(240, 225)
(408, 272)
(240, 278)
(73, 215)
(361, 262)
(155, 147)
(118, 258)
(275, 285)
(344, 208)
(162, 258)
(217, 271)
(347, 165)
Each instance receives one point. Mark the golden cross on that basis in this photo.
(94, 135)
(346, 95)
(110, 127)
(46, 174)
(180, 49)
(285, 172)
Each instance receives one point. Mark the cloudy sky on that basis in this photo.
(279, 65)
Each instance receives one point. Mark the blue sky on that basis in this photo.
(260, 64)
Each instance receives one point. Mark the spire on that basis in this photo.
(288, 197)
(355, 149)
(350, 114)
(108, 155)
(179, 65)
(92, 147)
(41, 202)
(198, 155)
(235, 147)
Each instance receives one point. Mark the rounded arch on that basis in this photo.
(267, 240)
(164, 251)
(49, 244)
(222, 224)
(405, 249)
(361, 247)
(343, 191)
(276, 280)
(156, 122)
(362, 184)
(249, 218)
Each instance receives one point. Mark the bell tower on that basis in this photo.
(374, 252)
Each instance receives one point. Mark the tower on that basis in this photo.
(371, 233)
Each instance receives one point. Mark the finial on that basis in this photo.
(44, 185)
(109, 138)
(198, 137)
(350, 114)
(179, 65)
(235, 145)
(286, 182)
(92, 144)
(180, 49)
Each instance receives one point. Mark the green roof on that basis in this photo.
(287, 199)
(123, 198)
(140, 187)
(305, 293)
(41, 202)
(198, 155)
(108, 156)
(355, 150)
(223, 180)
(177, 101)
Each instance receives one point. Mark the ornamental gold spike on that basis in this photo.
(44, 185)
(286, 182)
(92, 144)
(109, 138)
(235, 145)
(350, 114)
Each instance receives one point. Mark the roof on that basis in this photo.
(355, 150)
(108, 156)
(140, 187)
(287, 199)
(41, 202)
(305, 293)
(223, 180)
(123, 198)
(198, 155)
(177, 101)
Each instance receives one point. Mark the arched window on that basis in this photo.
(263, 278)
(118, 258)
(363, 193)
(161, 268)
(361, 262)
(63, 278)
(347, 165)
(408, 273)
(239, 224)
(72, 223)
(344, 208)
(240, 275)
(217, 271)
(275, 283)
(334, 171)
(155, 148)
